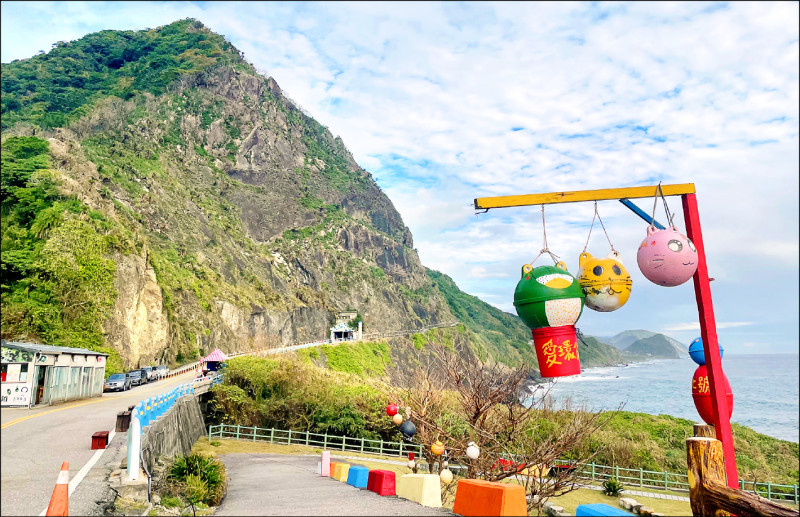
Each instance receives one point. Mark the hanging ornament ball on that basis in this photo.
(667, 257)
(473, 451)
(410, 455)
(605, 281)
(391, 409)
(446, 476)
(548, 296)
(444, 464)
(397, 419)
(408, 429)
(696, 351)
(411, 464)
(701, 394)
(437, 448)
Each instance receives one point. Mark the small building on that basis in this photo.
(345, 316)
(43, 374)
(342, 330)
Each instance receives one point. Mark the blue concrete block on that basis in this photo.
(597, 509)
(357, 476)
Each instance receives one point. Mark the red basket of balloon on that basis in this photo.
(557, 351)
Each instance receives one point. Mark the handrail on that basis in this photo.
(590, 471)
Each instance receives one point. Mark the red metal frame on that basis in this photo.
(708, 331)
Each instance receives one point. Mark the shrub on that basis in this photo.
(612, 487)
(210, 471)
(170, 502)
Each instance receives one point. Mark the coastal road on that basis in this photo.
(34, 442)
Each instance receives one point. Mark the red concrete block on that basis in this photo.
(478, 497)
(100, 440)
(333, 467)
(381, 482)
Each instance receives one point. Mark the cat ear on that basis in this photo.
(527, 268)
(561, 265)
(583, 258)
(614, 255)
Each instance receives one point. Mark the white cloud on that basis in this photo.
(694, 326)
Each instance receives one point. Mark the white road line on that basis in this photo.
(86, 468)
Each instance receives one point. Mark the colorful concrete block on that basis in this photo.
(381, 482)
(325, 464)
(357, 476)
(332, 469)
(424, 489)
(599, 509)
(341, 472)
(476, 497)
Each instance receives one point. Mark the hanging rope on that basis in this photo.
(597, 215)
(545, 249)
(655, 202)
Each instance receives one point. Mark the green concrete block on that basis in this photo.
(424, 489)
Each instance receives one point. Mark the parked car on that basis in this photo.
(117, 382)
(148, 373)
(161, 371)
(136, 377)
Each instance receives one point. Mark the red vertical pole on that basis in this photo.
(708, 331)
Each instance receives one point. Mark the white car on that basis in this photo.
(161, 371)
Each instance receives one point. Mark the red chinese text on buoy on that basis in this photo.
(557, 351)
(701, 393)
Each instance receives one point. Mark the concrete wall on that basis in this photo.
(173, 433)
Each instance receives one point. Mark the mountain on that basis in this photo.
(160, 198)
(626, 338)
(655, 346)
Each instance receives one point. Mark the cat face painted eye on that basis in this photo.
(598, 270)
(691, 246)
(615, 268)
(675, 245)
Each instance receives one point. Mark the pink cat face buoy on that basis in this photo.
(667, 257)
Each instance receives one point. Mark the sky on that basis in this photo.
(447, 102)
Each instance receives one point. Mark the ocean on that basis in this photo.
(765, 390)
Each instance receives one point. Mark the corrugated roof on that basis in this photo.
(49, 349)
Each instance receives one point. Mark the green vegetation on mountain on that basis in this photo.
(654, 346)
(57, 278)
(52, 89)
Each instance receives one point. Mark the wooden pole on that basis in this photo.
(708, 332)
(708, 494)
(705, 431)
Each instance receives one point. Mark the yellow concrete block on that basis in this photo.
(424, 489)
(538, 471)
(340, 472)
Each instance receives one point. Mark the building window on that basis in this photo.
(23, 373)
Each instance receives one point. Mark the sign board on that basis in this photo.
(15, 394)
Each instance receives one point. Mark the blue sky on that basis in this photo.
(446, 102)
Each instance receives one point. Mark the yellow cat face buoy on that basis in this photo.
(605, 281)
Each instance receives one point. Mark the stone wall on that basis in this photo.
(174, 433)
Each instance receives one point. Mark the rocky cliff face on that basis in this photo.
(239, 221)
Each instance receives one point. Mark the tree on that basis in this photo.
(456, 398)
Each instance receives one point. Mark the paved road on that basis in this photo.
(34, 442)
(278, 484)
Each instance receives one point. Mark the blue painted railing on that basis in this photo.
(146, 412)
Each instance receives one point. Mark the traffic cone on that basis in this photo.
(59, 502)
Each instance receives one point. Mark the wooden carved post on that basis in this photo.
(705, 431)
(706, 465)
(708, 492)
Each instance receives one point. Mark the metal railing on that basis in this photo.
(590, 471)
(146, 412)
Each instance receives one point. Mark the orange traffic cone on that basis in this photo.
(59, 502)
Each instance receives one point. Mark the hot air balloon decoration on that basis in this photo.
(605, 282)
(549, 301)
(391, 409)
(696, 351)
(408, 430)
(701, 394)
(667, 257)
(473, 451)
(437, 448)
(397, 419)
